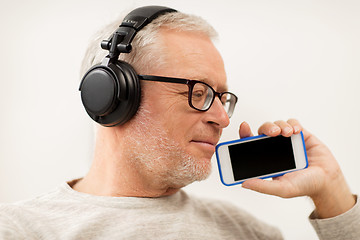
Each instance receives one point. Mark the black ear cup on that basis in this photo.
(111, 94)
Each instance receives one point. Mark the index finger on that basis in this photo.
(269, 129)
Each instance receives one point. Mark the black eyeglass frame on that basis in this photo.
(190, 84)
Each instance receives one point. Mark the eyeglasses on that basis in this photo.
(201, 95)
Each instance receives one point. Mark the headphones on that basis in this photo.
(110, 91)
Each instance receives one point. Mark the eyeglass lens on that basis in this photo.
(202, 97)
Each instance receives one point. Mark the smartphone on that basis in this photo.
(260, 157)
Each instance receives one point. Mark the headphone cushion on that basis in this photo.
(98, 90)
(129, 94)
(111, 94)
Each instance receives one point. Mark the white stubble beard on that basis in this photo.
(154, 153)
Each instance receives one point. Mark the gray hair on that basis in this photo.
(146, 42)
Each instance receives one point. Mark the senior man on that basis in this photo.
(133, 188)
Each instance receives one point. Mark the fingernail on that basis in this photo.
(275, 129)
(287, 130)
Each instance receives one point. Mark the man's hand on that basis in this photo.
(323, 180)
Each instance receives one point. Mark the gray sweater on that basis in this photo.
(67, 214)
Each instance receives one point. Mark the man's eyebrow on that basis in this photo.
(223, 88)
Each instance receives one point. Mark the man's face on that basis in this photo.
(174, 140)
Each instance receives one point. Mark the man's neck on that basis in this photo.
(111, 174)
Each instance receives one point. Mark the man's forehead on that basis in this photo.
(193, 56)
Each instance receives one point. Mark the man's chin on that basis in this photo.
(198, 172)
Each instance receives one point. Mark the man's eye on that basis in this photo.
(198, 94)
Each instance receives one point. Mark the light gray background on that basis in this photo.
(284, 59)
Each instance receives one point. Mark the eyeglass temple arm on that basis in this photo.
(163, 79)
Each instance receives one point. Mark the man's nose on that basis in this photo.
(217, 114)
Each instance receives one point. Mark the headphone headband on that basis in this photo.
(120, 40)
(140, 17)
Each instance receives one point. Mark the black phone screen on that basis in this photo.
(261, 157)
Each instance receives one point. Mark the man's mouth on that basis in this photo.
(206, 144)
(212, 143)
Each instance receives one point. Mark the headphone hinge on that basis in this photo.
(127, 33)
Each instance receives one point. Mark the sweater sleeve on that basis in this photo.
(345, 226)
